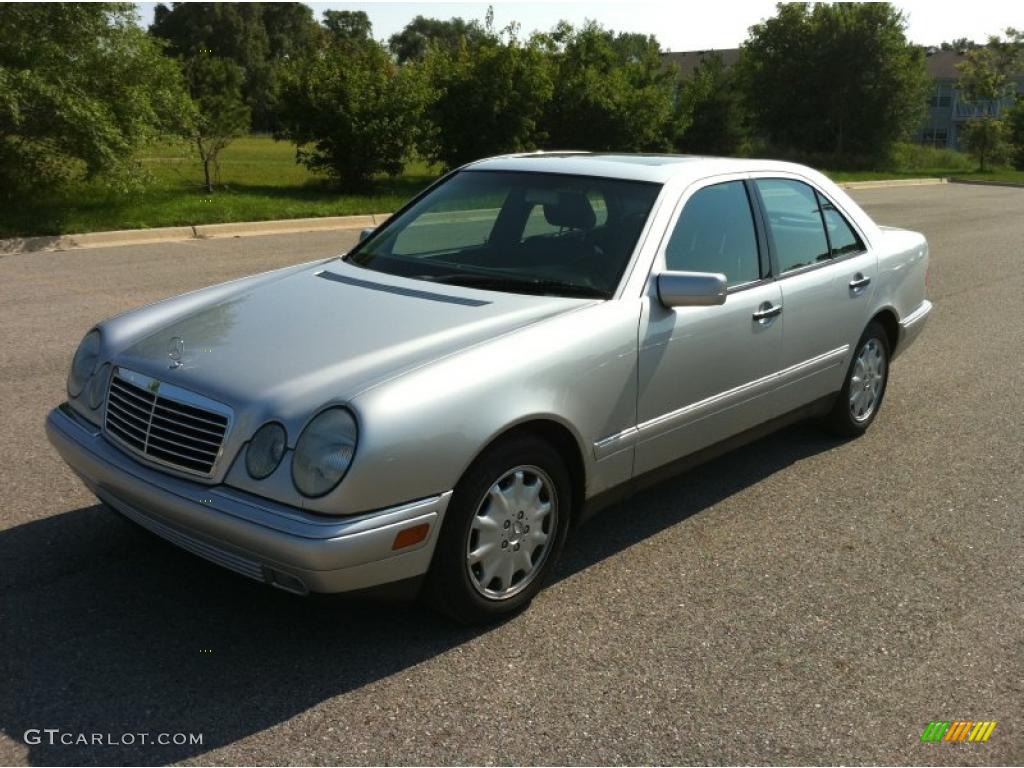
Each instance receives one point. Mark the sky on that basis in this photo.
(679, 26)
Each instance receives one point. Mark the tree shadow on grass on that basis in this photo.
(107, 629)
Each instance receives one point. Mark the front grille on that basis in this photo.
(152, 419)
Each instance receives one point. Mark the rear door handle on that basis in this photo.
(859, 281)
(767, 311)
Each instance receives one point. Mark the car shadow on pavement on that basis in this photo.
(105, 629)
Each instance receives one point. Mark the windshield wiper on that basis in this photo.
(531, 285)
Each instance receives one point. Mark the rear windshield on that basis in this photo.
(518, 232)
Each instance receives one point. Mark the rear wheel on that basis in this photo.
(503, 532)
(861, 397)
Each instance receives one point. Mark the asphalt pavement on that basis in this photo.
(800, 600)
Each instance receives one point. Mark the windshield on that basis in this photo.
(519, 232)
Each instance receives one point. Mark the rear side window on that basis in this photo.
(715, 233)
(841, 237)
(794, 217)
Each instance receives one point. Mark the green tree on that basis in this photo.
(986, 140)
(490, 96)
(959, 44)
(1015, 123)
(220, 112)
(352, 112)
(82, 89)
(258, 37)
(986, 83)
(835, 79)
(611, 92)
(413, 42)
(349, 26)
(718, 122)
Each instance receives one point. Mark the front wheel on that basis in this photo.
(502, 533)
(861, 397)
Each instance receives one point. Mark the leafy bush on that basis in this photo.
(489, 97)
(611, 92)
(352, 111)
(836, 79)
(718, 123)
(986, 138)
(82, 89)
(907, 157)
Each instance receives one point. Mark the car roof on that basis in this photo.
(636, 167)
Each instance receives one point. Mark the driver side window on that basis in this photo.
(715, 233)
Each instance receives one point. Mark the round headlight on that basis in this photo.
(97, 386)
(265, 450)
(324, 452)
(84, 363)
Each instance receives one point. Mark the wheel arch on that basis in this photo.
(560, 437)
(888, 319)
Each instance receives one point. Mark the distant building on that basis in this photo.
(947, 111)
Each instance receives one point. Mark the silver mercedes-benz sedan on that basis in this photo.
(530, 338)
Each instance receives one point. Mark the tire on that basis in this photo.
(498, 544)
(861, 397)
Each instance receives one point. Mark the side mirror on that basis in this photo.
(692, 289)
(365, 233)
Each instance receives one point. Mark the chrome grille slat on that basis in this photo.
(177, 459)
(165, 423)
(167, 409)
(174, 410)
(127, 407)
(187, 426)
(131, 396)
(124, 423)
(168, 442)
(127, 437)
(157, 431)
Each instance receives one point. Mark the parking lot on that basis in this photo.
(800, 600)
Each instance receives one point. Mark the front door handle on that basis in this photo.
(859, 281)
(767, 311)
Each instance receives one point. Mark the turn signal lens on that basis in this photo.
(410, 536)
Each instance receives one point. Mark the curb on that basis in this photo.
(892, 183)
(44, 243)
(987, 183)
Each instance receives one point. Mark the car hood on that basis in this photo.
(325, 333)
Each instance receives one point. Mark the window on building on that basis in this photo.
(941, 96)
(935, 137)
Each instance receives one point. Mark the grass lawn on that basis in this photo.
(1000, 175)
(259, 179)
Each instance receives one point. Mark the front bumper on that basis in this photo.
(258, 538)
(912, 325)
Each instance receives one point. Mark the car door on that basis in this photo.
(825, 273)
(704, 372)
